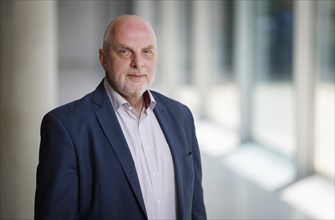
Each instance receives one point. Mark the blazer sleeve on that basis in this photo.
(57, 177)
(198, 206)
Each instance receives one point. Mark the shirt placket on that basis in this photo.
(150, 157)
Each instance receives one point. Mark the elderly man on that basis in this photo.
(122, 151)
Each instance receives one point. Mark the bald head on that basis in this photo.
(125, 23)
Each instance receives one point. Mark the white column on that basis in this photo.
(244, 60)
(304, 79)
(202, 50)
(168, 47)
(28, 91)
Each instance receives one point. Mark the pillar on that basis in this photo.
(28, 91)
(304, 79)
(202, 51)
(244, 60)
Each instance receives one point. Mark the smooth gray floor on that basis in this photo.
(230, 196)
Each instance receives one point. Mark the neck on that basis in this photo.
(137, 103)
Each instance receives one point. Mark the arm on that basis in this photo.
(57, 178)
(198, 207)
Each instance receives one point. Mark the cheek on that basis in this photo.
(119, 68)
(152, 67)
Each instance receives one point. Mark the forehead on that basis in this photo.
(134, 32)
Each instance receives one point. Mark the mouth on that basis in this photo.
(136, 76)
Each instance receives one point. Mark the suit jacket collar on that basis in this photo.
(111, 128)
(164, 120)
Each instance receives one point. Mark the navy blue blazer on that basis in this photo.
(86, 170)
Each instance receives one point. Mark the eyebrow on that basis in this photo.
(121, 45)
(150, 47)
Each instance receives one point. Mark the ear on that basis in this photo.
(102, 58)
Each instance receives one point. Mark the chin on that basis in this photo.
(134, 93)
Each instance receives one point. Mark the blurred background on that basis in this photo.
(258, 76)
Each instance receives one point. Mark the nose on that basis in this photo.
(136, 61)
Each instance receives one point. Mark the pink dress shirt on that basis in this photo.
(150, 152)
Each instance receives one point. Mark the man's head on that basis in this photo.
(129, 55)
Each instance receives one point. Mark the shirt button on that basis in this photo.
(154, 173)
(158, 201)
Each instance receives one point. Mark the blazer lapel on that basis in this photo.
(110, 126)
(171, 137)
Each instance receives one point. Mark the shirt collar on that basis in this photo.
(117, 100)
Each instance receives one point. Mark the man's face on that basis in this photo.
(130, 62)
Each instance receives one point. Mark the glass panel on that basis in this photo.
(273, 94)
(324, 93)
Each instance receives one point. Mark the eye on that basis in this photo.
(148, 52)
(124, 52)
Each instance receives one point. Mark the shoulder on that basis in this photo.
(82, 107)
(166, 101)
(175, 108)
(75, 107)
(74, 114)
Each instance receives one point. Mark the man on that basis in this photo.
(122, 151)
